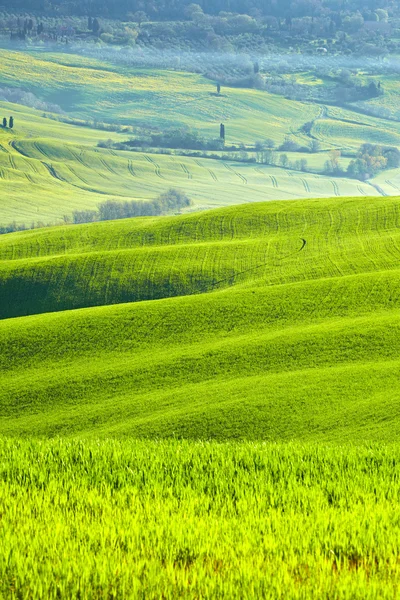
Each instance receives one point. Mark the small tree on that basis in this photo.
(284, 160)
(4, 122)
(11, 122)
(139, 17)
(95, 26)
(222, 131)
(218, 88)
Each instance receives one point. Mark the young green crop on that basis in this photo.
(198, 520)
(284, 325)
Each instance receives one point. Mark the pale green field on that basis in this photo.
(153, 98)
(48, 169)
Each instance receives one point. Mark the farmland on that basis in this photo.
(144, 519)
(43, 178)
(186, 321)
(196, 405)
(49, 168)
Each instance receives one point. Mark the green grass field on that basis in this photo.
(226, 324)
(201, 405)
(181, 520)
(49, 169)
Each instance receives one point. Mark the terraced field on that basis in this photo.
(250, 312)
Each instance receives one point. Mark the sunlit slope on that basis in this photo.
(313, 360)
(154, 97)
(48, 170)
(153, 258)
(285, 324)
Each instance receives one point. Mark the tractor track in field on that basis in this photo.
(395, 187)
(14, 146)
(77, 175)
(12, 162)
(252, 269)
(273, 181)
(155, 165)
(335, 188)
(305, 185)
(29, 178)
(54, 173)
(242, 177)
(3, 149)
(107, 166)
(131, 169)
(79, 158)
(31, 165)
(362, 192)
(40, 150)
(213, 175)
(378, 189)
(186, 171)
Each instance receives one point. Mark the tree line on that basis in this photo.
(174, 9)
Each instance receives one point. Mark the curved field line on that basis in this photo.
(262, 265)
(273, 181)
(40, 149)
(305, 184)
(54, 173)
(29, 177)
(131, 169)
(156, 166)
(378, 189)
(12, 162)
(14, 146)
(244, 180)
(362, 192)
(186, 171)
(107, 166)
(31, 165)
(335, 188)
(392, 184)
(213, 175)
(77, 175)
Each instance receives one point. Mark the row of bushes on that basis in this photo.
(172, 201)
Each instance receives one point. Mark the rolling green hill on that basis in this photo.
(48, 169)
(284, 325)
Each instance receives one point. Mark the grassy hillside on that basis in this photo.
(285, 325)
(158, 98)
(173, 519)
(49, 169)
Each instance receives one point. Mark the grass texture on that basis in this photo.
(269, 321)
(192, 520)
(48, 169)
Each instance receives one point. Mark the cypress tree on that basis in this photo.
(11, 122)
(222, 131)
(4, 122)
